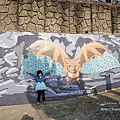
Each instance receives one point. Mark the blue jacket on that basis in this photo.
(40, 78)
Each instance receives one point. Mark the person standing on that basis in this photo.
(40, 86)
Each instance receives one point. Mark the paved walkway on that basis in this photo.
(102, 106)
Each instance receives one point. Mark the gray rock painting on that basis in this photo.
(14, 83)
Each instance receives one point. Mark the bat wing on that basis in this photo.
(89, 51)
(50, 49)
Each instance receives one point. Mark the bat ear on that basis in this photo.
(78, 60)
(67, 60)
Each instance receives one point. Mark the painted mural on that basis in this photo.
(81, 64)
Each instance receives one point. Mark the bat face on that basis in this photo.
(72, 66)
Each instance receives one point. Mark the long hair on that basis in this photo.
(39, 71)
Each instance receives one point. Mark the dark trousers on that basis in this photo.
(39, 95)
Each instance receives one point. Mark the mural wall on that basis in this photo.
(83, 64)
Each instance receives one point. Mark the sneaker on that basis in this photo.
(44, 103)
(38, 103)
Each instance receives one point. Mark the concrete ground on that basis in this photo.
(102, 106)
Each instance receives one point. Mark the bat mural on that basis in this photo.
(82, 63)
(72, 67)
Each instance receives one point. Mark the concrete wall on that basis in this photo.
(98, 74)
(59, 16)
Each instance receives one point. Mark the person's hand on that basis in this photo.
(27, 72)
(52, 68)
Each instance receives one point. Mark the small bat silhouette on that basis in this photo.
(56, 53)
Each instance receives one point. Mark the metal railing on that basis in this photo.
(105, 1)
(110, 1)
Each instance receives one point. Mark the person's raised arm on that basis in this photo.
(31, 74)
(47, 73)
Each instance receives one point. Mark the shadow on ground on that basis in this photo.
(27, 117)
(98, 106)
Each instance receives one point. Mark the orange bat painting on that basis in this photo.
(57, 54)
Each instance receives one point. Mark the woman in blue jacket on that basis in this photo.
(40, 86)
